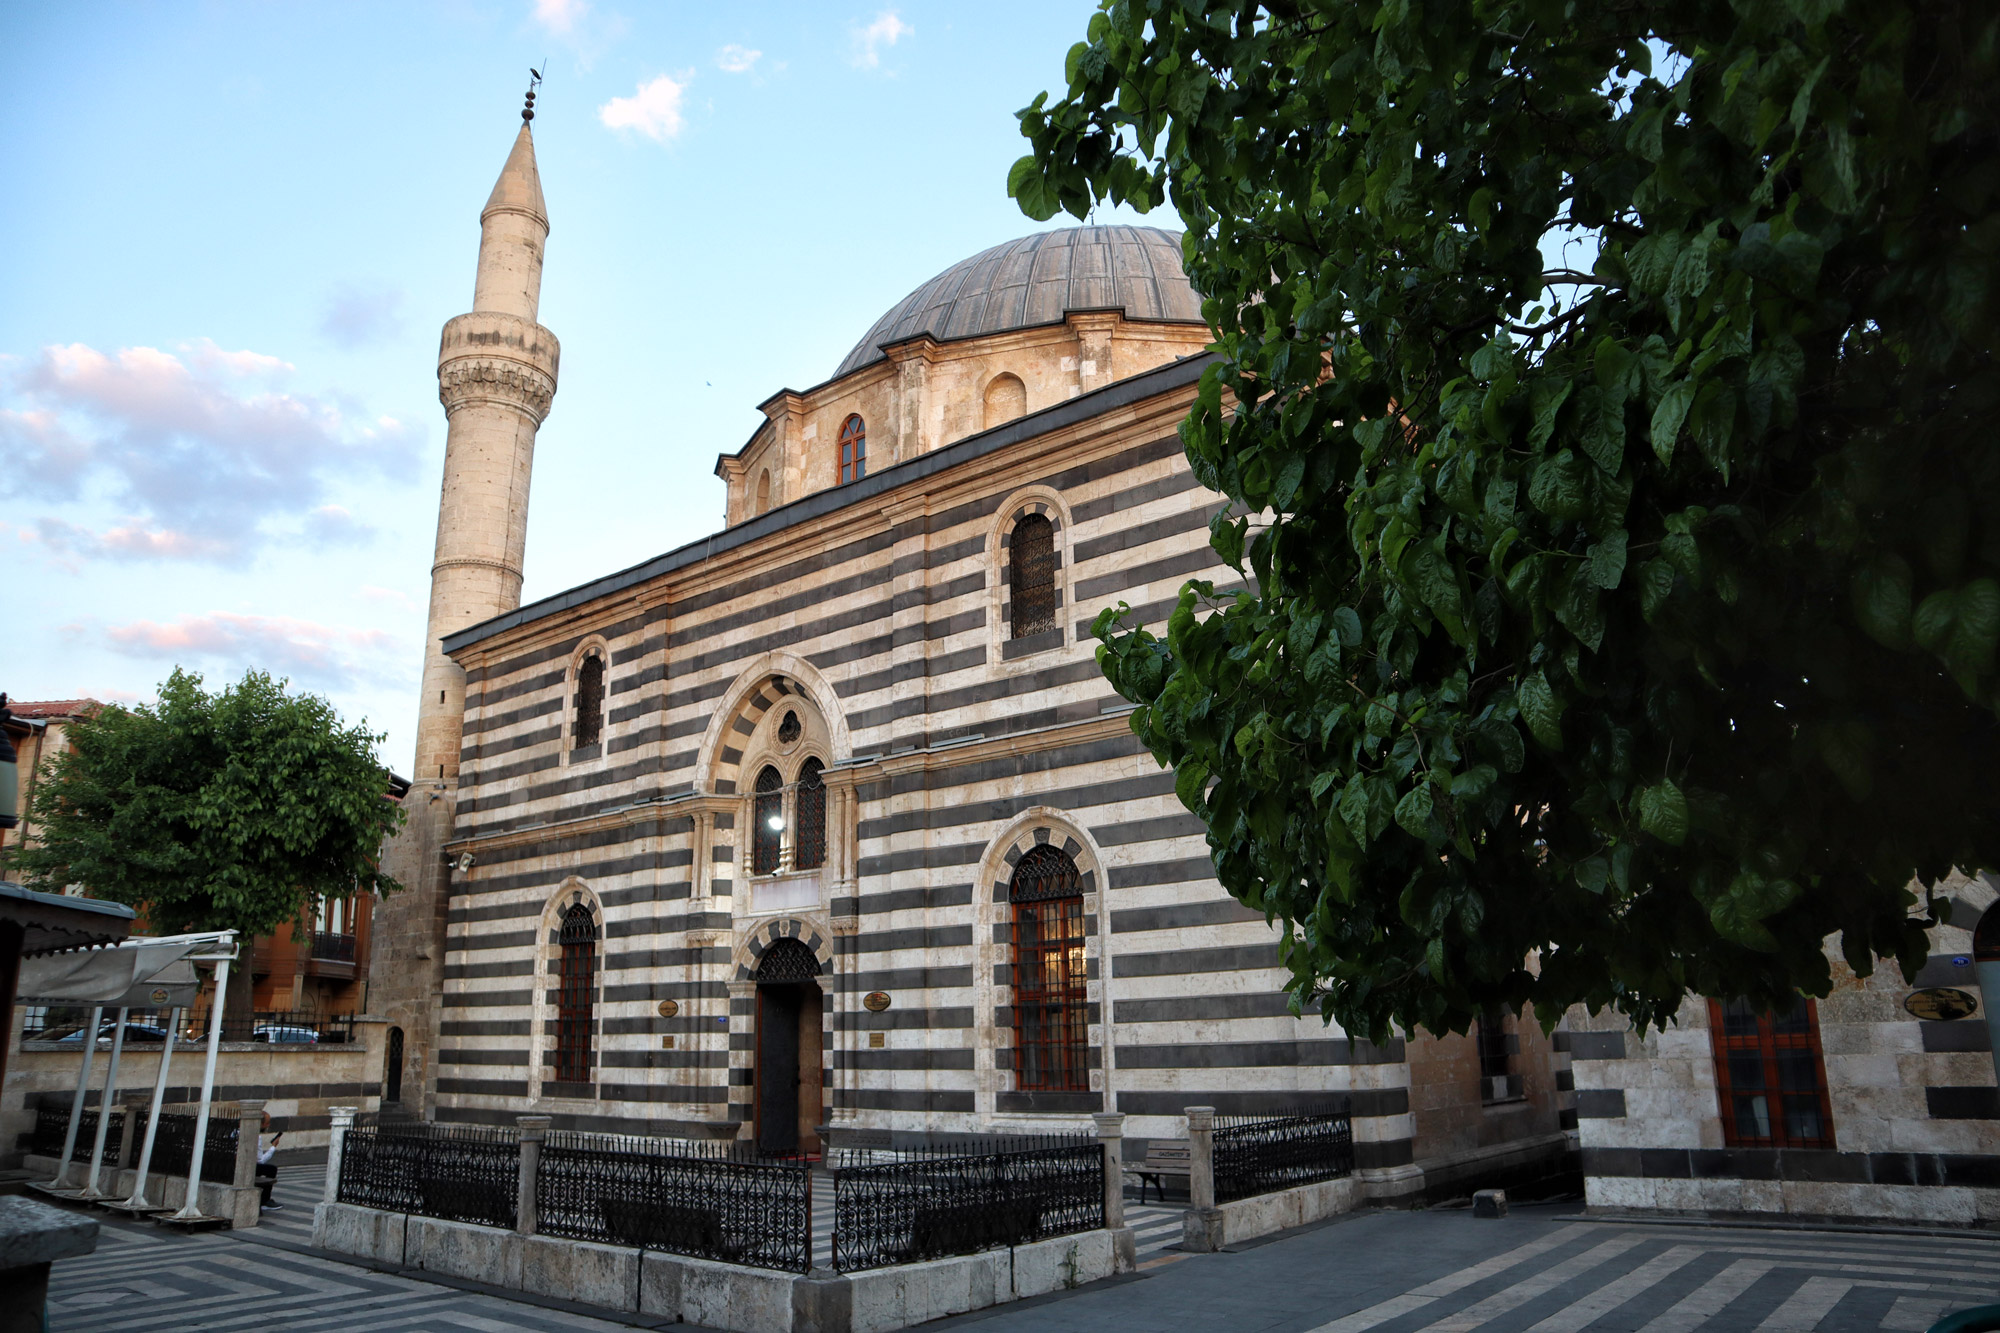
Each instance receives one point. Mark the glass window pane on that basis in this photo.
(1797, 1071)
(1753, 1117)
(1746, 1070)
(1802, 1118)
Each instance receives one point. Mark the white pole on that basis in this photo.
(90, 1190)
(191, 1210)
(139, 1199)
(76, 1103)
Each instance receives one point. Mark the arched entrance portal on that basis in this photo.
(789, 1049)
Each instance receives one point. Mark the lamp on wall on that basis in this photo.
(463, 863)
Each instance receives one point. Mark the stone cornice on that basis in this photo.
(952, 754)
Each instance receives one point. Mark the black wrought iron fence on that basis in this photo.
(52, 1126)
(173, 1146)
(961, 1199)
(463, 1173)
(706, 1200)
(1264, 1154)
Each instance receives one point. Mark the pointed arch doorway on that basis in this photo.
(789, 1071)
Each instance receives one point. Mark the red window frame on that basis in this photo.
(1770, 1076)
(1051, 1011)
(853, 449)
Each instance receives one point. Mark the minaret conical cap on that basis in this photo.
(519, 188)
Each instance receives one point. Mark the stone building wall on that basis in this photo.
(1916, 1117)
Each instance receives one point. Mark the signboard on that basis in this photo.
(1940, 1003)
(668, 1008)
(875, 1001)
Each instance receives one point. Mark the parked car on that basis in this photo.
(106, 1031)
(272, 1032)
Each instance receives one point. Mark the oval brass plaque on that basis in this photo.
(875, 1001)
(668, 1008)
(1940, 1003)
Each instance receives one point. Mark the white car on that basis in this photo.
(284, 1035)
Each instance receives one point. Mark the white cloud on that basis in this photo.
(327, 655)
(734, 59)
(203, 454)
(560, 16)
(356, 316)
(886, 29)
(654, 111)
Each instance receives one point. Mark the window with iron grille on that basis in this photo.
(1769, 1076)
(576, 993)
(811, 817)
(853, 449)
(1051, 1018)
(589, 702)
(1032, 577)
(767, 817)
(1498, 1081)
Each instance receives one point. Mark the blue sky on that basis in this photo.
(234, 231)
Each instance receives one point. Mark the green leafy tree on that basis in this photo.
(1606, 396)
(207, 811)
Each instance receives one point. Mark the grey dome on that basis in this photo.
(1038, 279)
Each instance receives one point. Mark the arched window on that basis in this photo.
(853, 449)
(1051, 1019)
(764, 490)
(768, 817)
(1006, 398)
(811, 817)
(589, 723)
(1032, 576)
(576, 993)
(392, 1068)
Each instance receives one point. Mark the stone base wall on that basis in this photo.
(1811, 1200)
(713, 1295)
(237, 1206)
(1207, 1230)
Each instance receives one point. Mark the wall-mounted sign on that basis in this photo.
(160, 996)
(668, 1008)
(875, 1001)
(1940, 1003)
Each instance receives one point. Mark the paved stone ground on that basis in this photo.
(1542, 1270)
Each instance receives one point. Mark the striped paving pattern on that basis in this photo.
(1154, 1227)
(1657, 1279)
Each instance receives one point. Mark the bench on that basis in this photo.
(1164, 1158)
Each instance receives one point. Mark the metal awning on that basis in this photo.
(52, 921)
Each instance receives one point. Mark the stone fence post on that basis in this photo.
(1124, 1244)
(249, 1124)
(135, 1100)
(534, 1128)
(336, 1148)
(1111, 1133)
(1201, 1224)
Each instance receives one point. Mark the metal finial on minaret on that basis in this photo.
(534, 82)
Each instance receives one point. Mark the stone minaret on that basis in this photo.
(496, 378)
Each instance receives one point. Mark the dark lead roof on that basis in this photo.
(1037, 280)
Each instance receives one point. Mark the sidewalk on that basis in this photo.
(1545, 1269)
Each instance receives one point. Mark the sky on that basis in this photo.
(233, 232)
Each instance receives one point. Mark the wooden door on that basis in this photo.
(778, 1068)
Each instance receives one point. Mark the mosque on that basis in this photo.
(826, 827)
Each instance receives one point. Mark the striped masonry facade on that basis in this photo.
(948, 747)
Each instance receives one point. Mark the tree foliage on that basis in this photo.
(1606, 397)
(210, 811)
